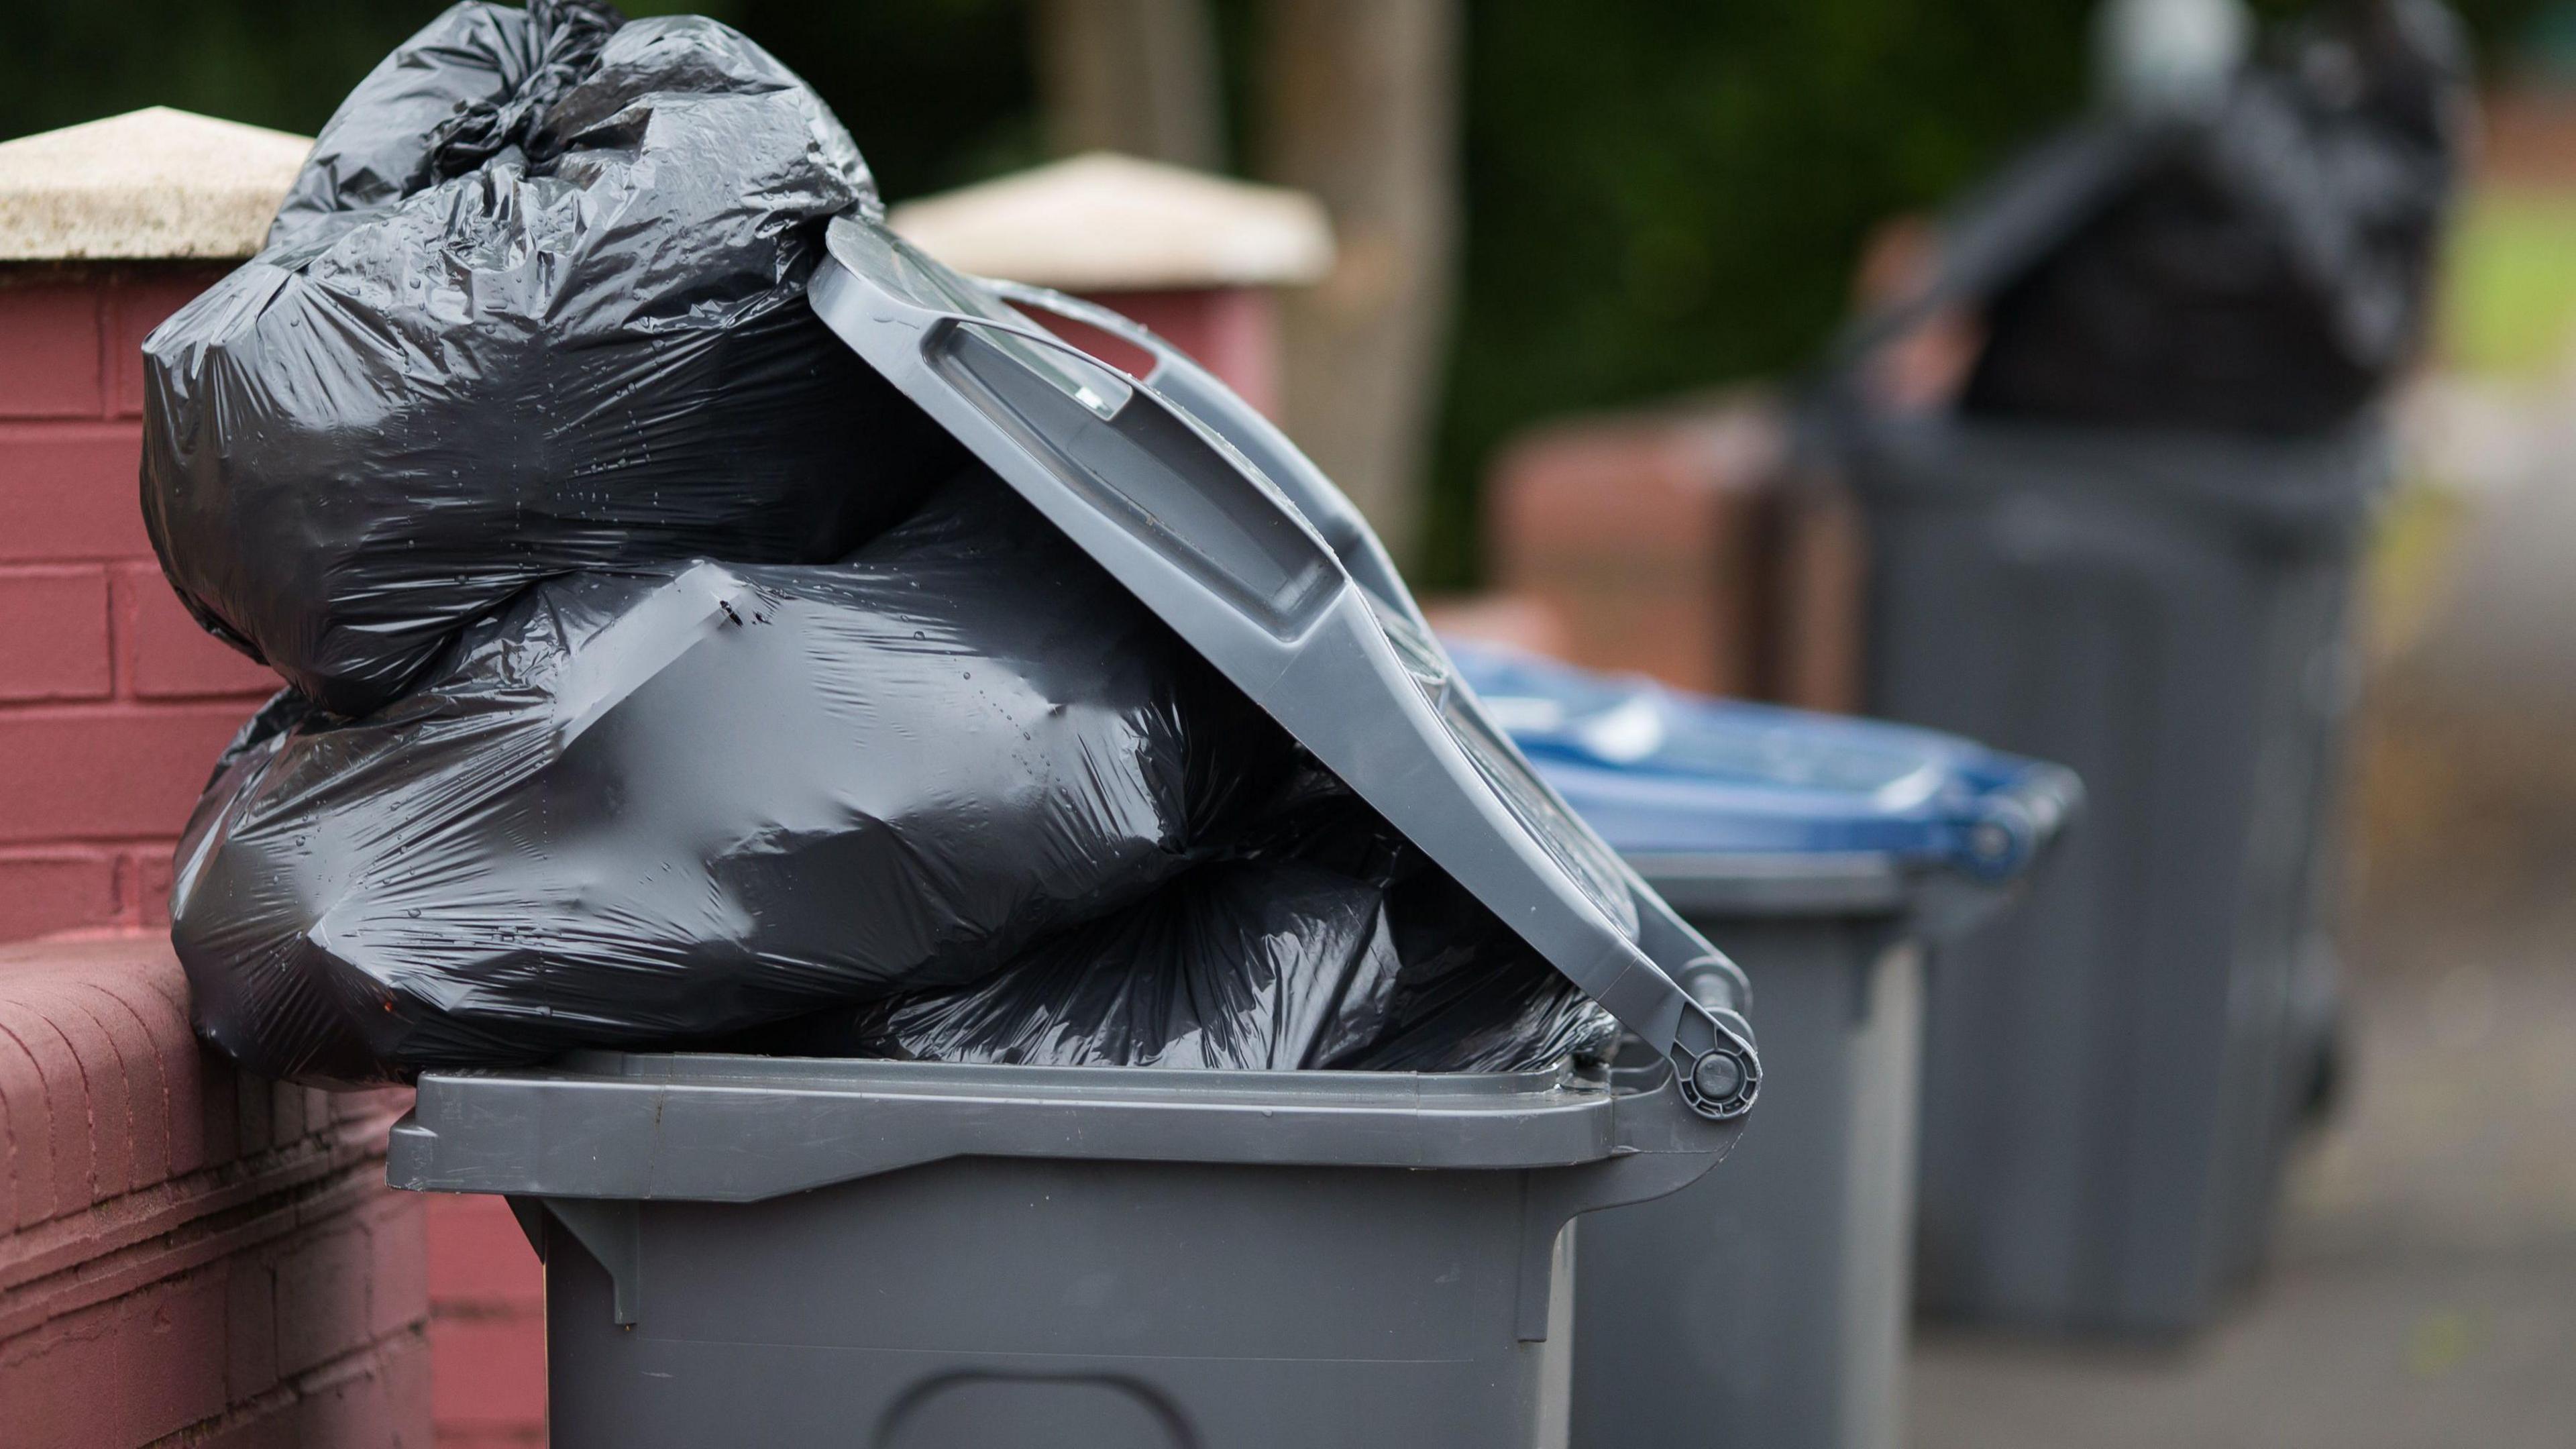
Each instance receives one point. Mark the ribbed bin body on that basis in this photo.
(2113, 1075)
(759, 1252)
(1037, 1304)
(1767, 1305)
(1829, 857)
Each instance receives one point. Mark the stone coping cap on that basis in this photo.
(150, 184)
(1102, 222)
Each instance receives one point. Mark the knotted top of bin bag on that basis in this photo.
(652, 806)
(535, 304)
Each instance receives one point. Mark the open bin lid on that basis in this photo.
(1726, 805)
(1217, 524)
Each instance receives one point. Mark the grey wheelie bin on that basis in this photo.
(2115, 1073)
(1767, 1305)
(790, 1251)
(2129, 549)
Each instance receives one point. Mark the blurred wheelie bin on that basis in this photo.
(1768, 1305)
(2127, 543)
(798, 1250)
(2114, 1074)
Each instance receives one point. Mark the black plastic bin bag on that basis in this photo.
(535, 304)
(1323, 941)
(650, 806)
(1243, 964)
(2264, 268)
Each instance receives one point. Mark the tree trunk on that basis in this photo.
(1138, 76)
(1361, 109)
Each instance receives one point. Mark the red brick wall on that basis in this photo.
(1232, 332)
(1680, 544)
(112, 701)
(189, 1256)
(487, 1326)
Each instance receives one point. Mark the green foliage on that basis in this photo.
(1665, 196)
(281, 63)
(1661, 195)
(937, 91)
(2509, 285)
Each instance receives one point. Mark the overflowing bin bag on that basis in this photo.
(534, 305)
(651, 805)
(663, 676)
(1272, 965)
(1317, 940)
(2262, 268)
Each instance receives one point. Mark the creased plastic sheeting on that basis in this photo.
(1251, 964)
(535, 305)
(1472, 996)
(2268, 272)
(653, 806)
(1328, 943)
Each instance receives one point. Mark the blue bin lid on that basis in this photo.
(1666, 776)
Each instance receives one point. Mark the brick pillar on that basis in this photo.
(1231, 331)
(1679, 544)
(487, 1326)
(188, 1256)
(1196, 258)
(113, 702)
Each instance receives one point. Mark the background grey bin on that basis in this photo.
(2129, 549)
(772, 1252)
(2114, 1074)
(1767, 1305)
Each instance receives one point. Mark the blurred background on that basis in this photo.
(1559, 228)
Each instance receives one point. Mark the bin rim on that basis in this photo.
(2307, 491)
(704, 1127)
(1702, 884)
(1156, 479)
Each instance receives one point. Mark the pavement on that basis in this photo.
(2423, 1290)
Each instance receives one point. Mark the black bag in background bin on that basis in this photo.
(2131, 550)
(1038, 773)
(652, 806)
(535, 304)
(2265, 268)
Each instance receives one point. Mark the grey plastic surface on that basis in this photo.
(762, 1251)
(1206, 397)
(1927, 900)
(1767, 1305)
(1701, 886)
(709, 1128)
(2114, 1073)
(1158, 491)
